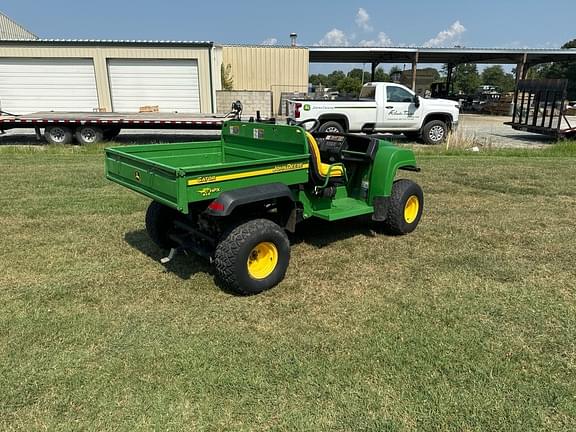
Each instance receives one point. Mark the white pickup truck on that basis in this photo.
(382, 107)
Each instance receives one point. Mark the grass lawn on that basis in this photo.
(468, 324)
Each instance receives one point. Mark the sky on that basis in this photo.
(486, 23)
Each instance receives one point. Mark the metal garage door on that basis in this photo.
(170, 84)
(55, 84)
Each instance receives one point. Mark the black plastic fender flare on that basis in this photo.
(225, 204)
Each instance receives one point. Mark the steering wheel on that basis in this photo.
(310, 120)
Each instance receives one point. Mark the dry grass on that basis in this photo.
(467, 324)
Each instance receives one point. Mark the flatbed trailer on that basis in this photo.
(88, 128)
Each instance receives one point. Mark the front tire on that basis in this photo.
(404, 208)
(252, 257)
(434, 132)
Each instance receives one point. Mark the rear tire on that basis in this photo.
(159, 220)
(58, 135)
(404, 208)
(331, 127)
(434, 132)
(89, 135)
(252, 257)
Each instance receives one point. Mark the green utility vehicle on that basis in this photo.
(233, 200)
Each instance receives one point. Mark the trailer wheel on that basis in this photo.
(110, 134)
(252, 257)
(159, 219)
(434, 132)
(404, 208)
(58, 135)
(89, 135)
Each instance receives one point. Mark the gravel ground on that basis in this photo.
(477, 130)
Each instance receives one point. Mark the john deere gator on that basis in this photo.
(234, 200)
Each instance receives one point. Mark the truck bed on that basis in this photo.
(179, 174)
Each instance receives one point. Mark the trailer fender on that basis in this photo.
(228, 201)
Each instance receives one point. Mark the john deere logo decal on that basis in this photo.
(307, 107)
(137, 175)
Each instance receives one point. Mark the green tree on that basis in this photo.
(349, 86)
(381, 76)
(466, 78)
(495, 76)
(334, 78)
(318, 79)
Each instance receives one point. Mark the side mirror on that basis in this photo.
(416, 101)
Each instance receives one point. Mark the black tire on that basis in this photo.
(434, 132)
(58, 135)
(110, 134)
(413, 136)
(332, 126)
(238, 245)
(89, 135)
(401, 220)
(159, 219)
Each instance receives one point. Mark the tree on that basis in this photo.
(495, 76)
(318, 79)
(381, 76)
(226, 77)
(466, 79)
(334, 78)
(350, 86)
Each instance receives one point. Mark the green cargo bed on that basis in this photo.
(179, 174)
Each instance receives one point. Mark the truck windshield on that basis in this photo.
(368, 93)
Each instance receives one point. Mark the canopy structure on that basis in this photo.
(522, 58)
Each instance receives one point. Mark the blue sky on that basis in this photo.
(487, 23)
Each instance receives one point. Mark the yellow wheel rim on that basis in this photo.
(262, 260)
(411, 209)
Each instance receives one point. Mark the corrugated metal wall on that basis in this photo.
(11, 30)
(277, 69)
(101, 53)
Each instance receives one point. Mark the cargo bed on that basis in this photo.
(179, 174)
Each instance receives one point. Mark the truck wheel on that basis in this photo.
(110, 134)
(252, 257)
(434, 132)
(331, 127)
(159, 220)
(404, 208)
(89, 135)
(58, 135)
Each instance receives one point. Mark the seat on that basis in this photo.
(322, 169)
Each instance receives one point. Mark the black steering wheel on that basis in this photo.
(310, 120)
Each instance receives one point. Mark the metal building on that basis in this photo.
(96, 75)
(272, 68)
(12, 30)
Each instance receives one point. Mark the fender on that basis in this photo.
(389, 159)
(225, 204)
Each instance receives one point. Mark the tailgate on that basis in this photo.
(147, 177)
